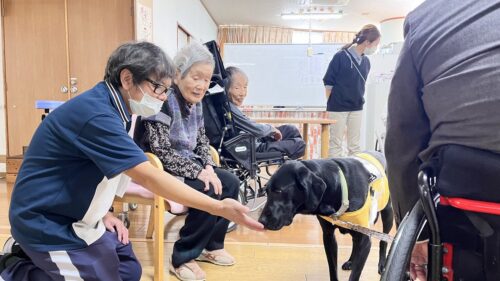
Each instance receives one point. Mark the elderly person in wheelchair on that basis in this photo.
(285, 139)
(444, 121)
(177, 136)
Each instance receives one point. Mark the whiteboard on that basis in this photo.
(282, 74)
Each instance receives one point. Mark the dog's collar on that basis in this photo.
(345, 196)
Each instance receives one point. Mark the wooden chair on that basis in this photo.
(156, 223)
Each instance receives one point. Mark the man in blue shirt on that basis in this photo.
(80, 157)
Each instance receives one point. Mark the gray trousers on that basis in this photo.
(349, 125)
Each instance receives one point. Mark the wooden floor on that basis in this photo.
(293, 253)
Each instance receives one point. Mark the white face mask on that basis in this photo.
(147, 106)
(370, 51)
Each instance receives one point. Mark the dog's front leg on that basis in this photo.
(330, 245)
(387, 215)
(361, 245)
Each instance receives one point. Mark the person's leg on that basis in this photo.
(130, 268)
(197, 230)
(337, 131)
(230, 189)
(24, 270)
(354, 131)
(98, 261)
(293, 148)
(289, 132)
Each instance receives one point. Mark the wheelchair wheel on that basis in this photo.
(123, 216)
(232, 226)
(242, 198)
(398, 261)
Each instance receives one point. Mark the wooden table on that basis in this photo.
(325, 130)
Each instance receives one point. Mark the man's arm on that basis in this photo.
(407, 132)
(168, 186)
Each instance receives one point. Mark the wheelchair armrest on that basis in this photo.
(239, 138)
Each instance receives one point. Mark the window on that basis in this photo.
(183, 37)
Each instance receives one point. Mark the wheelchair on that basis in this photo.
(424, 218)
(236, 149)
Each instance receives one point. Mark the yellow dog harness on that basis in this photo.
(376, 199)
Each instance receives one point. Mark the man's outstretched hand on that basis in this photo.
(236, 212)
(418, 262)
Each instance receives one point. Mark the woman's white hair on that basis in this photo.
(190, 55)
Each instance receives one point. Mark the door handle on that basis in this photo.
(74, 89)
(64, 89)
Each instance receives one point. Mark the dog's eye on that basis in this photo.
(277, 191)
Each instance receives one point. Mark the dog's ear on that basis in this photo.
(312, 186)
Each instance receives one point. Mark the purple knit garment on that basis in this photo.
(184, 131)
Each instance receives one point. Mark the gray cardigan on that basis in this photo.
(242, 122)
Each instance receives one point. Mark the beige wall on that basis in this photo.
(190, 14)
(3, 130)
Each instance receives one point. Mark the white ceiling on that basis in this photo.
(267, 12)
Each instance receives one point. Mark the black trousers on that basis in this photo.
(201, 229)
(472, 174)
(291, 143)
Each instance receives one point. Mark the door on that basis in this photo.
(95, 29)
(35, 64)
(38, 65)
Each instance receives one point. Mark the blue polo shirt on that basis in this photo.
(72, 171)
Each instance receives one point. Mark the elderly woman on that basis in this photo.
(177, 136)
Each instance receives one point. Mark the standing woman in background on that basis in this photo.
(345, 81)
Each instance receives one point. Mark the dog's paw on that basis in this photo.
(381, 267)
(347, 265)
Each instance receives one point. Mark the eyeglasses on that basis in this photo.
(159, 88)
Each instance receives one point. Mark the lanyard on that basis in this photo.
(354, 63)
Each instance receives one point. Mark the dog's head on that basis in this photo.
(293, 189)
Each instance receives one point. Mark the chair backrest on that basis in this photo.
(154, 160)
(216, 110)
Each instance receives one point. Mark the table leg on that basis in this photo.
(325, 140)
(305, 136)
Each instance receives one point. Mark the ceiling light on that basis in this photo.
(313, 16)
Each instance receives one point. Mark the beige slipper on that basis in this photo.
(189, 271)
(218, 257)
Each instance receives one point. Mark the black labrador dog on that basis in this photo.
(313, 187)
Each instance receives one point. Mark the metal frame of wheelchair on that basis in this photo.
(439, 265)
(238, 155)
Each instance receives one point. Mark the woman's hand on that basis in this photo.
(114, 224)
(210, 177)
(209, 168)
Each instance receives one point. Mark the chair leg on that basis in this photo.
(158, 241)
(151, 222)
